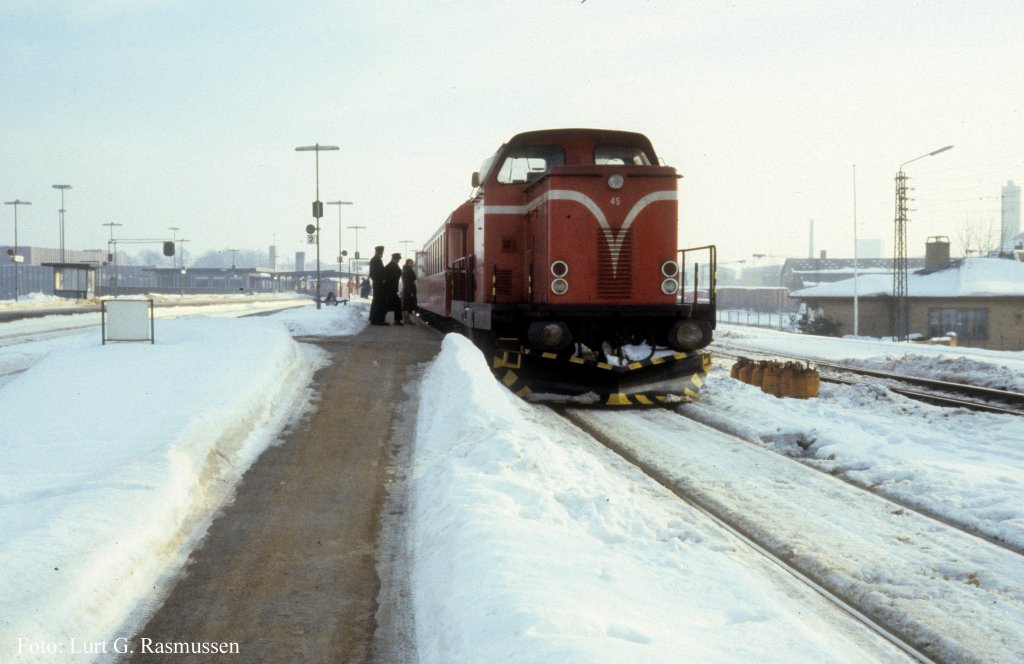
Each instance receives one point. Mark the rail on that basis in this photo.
(705, 277)
(462, 278)
(709, 507)
(936, 392)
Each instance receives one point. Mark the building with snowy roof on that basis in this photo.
(979, 299)
(800, 273)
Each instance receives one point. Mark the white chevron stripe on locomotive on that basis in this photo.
(613, 239)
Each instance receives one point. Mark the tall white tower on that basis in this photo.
(1011, 215)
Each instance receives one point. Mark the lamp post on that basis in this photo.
(356, 229)
(405, 246)
(112, 257)
(856, 311)
(62, 188)
(15, 258)
(339, 204)
(318, 207)
(901, 331)
(174, 239)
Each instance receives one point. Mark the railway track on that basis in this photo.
(27, 337)
(725, 477)
(928, 390)
(962, 525)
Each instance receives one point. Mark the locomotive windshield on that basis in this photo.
(528, 163)
(626, 155)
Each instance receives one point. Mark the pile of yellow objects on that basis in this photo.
(781, 379)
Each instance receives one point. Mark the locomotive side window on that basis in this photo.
(626, 155)
(528, 163)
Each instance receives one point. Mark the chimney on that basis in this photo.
(936, 252)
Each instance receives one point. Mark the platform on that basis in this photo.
(289, 569)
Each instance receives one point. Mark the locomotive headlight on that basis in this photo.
(669, 268)
(616, 181)
(686, 335)
(559, 268)
(559, 286)
(669, 286)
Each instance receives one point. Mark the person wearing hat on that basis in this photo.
(392, 277)
(378, 305)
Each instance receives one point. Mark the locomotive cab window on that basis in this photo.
(528, 163)
(621, 155)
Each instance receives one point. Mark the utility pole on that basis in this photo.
(15, 257)
(63, 188)
(856, 311)
(899, 261)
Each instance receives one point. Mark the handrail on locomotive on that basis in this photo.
(711, 272)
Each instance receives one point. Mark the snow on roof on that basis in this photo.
(968, 277)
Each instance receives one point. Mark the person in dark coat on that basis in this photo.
(392, 277)
(408, 291)
(364, 288)
(378, 306)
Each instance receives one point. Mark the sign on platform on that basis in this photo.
(127, 320)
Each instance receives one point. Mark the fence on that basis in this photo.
(775, 320)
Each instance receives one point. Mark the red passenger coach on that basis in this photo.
(564, 269)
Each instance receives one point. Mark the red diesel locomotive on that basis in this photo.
(563, 268)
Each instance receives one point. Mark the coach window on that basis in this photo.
(622, 155)
(528, 163)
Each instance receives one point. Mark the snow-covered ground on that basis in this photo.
(531, 543)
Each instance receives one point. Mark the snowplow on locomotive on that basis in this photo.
(563, 268)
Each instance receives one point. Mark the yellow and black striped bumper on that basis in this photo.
(539, 376)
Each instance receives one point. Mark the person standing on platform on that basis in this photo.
(378, 306)
(392, 277)
(408, 291)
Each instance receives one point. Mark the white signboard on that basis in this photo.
(127, 320)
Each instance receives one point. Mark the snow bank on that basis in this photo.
(966, 466)
(534, 545)
(113, 458)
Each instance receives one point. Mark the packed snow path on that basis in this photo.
(288, 571)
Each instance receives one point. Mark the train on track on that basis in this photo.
(564, 268)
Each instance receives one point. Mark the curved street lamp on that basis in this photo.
(901, 319)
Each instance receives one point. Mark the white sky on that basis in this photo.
(186, 113)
